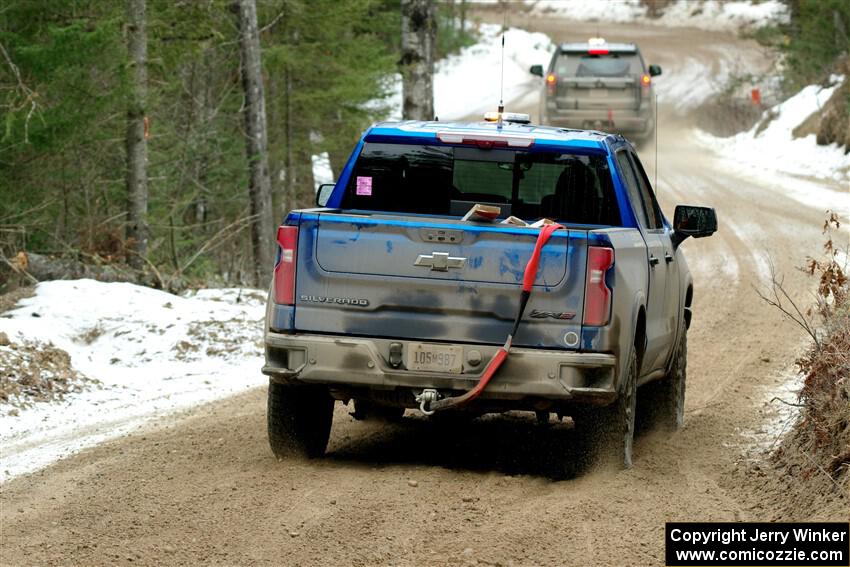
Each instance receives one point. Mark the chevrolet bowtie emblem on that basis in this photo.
(439, 261)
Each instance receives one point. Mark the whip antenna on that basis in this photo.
(656, 144)
(502, 73)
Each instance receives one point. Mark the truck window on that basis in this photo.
(420, 179)
(630, 179)
(608, 65)
(647, 194)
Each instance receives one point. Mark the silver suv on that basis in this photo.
(599, 86)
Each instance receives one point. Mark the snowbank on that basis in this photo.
(152, 352)
(712, 15)
(774, 152)
(619, 11)
(467, 83)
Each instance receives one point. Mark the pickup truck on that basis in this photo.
(387, 296)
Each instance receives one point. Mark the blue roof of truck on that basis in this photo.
(544, 136)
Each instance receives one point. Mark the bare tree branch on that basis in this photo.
(27, 94)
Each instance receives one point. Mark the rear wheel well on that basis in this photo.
(640, 336)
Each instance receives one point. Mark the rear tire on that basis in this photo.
(611, 430)
(299, 420)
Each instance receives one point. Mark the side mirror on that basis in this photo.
(536, 70)
(689, 220)
(323, 194)
(654, 70)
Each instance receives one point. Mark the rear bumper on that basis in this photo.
(626, 122)
(352, 363)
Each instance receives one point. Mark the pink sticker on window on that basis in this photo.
(364, 186)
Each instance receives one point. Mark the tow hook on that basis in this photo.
(426, 398)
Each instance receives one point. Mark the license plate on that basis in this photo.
(434, 358)
(599, 93)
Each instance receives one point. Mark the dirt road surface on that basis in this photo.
(203, 487)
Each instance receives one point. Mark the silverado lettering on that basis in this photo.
(337, 300)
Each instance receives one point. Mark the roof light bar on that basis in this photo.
(517, 117)
(597, 46)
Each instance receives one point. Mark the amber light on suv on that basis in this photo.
(284, 270)
(597, 294)
(552, 83)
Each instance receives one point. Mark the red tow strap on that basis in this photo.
(496, 361)
(531, 268)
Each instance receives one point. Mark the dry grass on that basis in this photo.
(818, 450)
(824, 430)
(31, 371)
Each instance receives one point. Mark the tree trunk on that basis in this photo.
(137, 151)
(289, 163)
(256, 144)
(418, 34)
(463, 18)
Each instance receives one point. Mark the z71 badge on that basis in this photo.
(562, 315)
(336, 300)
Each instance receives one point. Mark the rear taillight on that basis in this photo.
(284, 271)
(597, 294)
(551, 83)
(645, 80)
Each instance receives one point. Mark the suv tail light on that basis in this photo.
(284, 270)
(552, 83)
(597, 294)
(645, 80)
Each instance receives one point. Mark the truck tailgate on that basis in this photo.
(433, 279)
(598, 93)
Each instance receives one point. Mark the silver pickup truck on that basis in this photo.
(388, 296)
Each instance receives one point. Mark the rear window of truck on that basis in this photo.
(607, 65)
(443, 180)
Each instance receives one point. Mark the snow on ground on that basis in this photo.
(774, 153)
(692, 81)
(152, 352)
(467, 83)
(618, 11)
(712, 15)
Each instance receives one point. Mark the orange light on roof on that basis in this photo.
(646, 79)
(551, 78)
